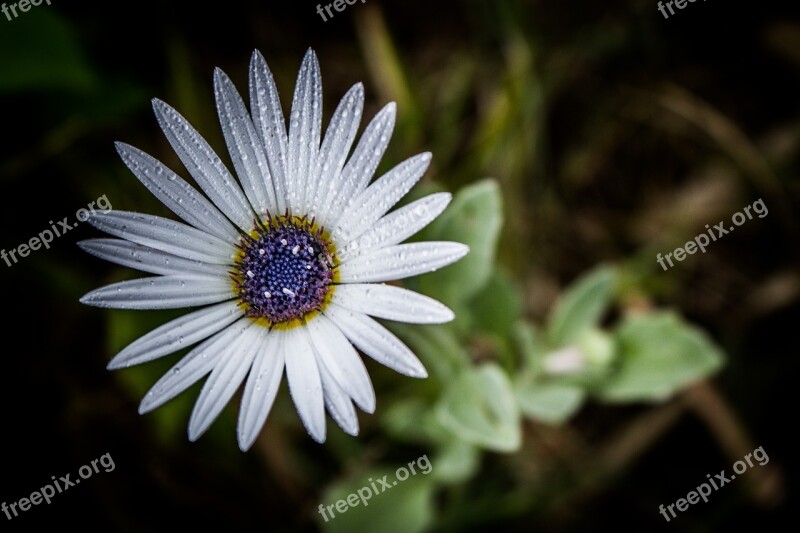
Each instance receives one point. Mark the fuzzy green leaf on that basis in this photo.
(659, 354)
(551, 403)
(474, 218)
(479, 407)
(582, 306)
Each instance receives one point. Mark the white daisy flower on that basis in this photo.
(287, 261)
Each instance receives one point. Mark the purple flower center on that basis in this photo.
(286, 270)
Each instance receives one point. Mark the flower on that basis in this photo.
(287, 262)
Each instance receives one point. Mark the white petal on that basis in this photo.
(161, 292)
(305, 384)
(176, 194)
(398, 225)
(361, 166)
(376, 341)
(401, 261)
(166, 235)
(333, 153)
(270, 124)
(338, 403)
(192, 367)
(305, 126)
(369, 206)
(228, 374)
(204, 165)
(176, 334)
(147, 259)
(340, 358)
(261, 388)
(247, 153)
(392, 303)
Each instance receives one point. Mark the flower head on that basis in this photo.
(286, 262)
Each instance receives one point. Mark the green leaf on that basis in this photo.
(402, 506)
(582, 306)
(551, 403)
(437, 347)
(584, 363)
(413, 420)
(474, 218)
(659, 354)
(456, 462)
(531, 344)
(497, 306)
(479, 407)
(40, 50)
(598, 346)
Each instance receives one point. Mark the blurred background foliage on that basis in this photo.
(579, 387)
